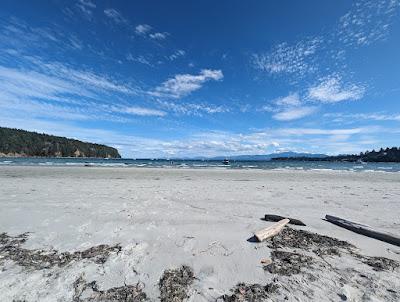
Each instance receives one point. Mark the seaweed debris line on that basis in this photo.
(310, 266)
(37, 259)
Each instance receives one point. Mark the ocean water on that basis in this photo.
(163, 163)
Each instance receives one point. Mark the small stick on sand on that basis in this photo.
(363, 230)
(272, 217)
(271, 231)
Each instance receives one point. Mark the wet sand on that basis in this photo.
(94, 234)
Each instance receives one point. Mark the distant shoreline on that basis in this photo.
(332, 159)
(183, 164)
(2, 155)
(22, 143)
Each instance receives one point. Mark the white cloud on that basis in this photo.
(331, 90)
(86, 80)
(197, 109)
(183, 84)
(355, 117)
(289, 59)
(319, 131)
(269, 140)
(86, 7)
(144, 111)
(292, 99)
(16, 35)
(142, 29)
(115, 16)
(145, 30)
(294, 113)
(87, 3)
(57, 91)
(289, 108)
(31, 84)
(158, 36)
(140, 59)
(177, 54)
(368, 21)
(267, 108)
(75, 42)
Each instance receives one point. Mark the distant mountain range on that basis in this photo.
(264, 157)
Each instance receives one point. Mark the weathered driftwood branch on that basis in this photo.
(271, 230)
(272, 217)
(363, 230)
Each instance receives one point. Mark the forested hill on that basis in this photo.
(383, 155)
(15, 142)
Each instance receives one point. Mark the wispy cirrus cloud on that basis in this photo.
(54, 90)
(323, 59)
(356, 117)
(289, 59)
(140, 59)
(321, 131)
(87, 80)
(289, 108)
(292, 99)
(143, 29)
(294, 113)
(143, 111)
(331, 90)
(367, 22)
(86, 7)
(158, 36)
(177, 54)
(196, 109)
(58, 90)
(115, 15)
(32, 84)
(152, 61)
(18, 36)
(183, 84)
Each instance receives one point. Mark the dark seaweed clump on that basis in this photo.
(126, 293)
(380, 263)
(300, 239)
(175, 283)
(37, 259)
(250, 292)
(287, 263)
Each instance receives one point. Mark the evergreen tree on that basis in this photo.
(21, 142)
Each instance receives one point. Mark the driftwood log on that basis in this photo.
(363, 230)
(271, 230)
(275, 218)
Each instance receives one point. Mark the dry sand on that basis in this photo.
(110, 234)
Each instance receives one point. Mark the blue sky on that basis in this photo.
(188, 78)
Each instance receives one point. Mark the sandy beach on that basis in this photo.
(92, 233)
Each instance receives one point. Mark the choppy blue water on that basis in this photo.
(163, 163)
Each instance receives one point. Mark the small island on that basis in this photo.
(21, 143)
(383, 155)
